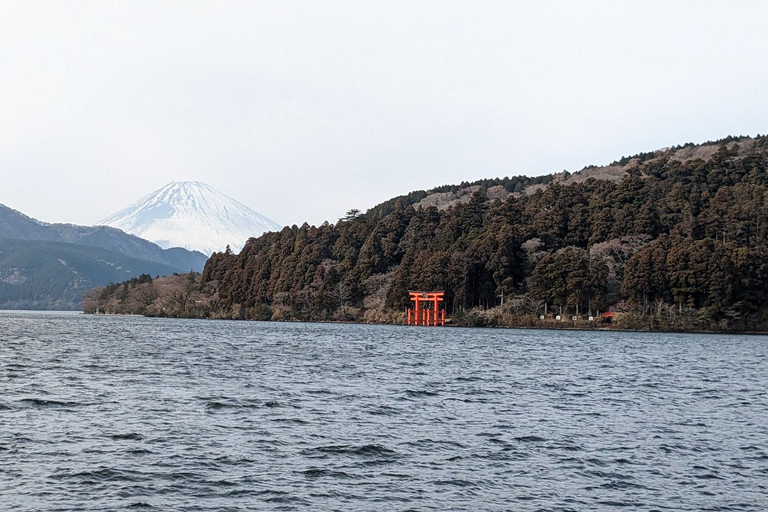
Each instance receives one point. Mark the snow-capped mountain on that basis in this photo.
(192, 215)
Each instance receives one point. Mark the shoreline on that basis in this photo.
(548, 327)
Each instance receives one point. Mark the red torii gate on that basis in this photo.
(425, 316)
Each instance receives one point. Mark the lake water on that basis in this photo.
(110, 413)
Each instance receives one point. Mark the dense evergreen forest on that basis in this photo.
(673, 239)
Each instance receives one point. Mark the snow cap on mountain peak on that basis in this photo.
(192, 215)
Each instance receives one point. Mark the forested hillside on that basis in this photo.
(675, 238)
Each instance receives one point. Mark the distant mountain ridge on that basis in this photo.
(18, 226)
(192, 215)
(49, 266)
(36, 274)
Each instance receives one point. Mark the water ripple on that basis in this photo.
(108, 413)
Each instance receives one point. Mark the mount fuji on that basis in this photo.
(192, 215)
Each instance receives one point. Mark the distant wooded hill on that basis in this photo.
(676, 238)
(48, 266)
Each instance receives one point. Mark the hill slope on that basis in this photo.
(192, 215)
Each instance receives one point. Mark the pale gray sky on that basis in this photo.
(303, 110)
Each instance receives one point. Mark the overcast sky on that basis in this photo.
(303, 110)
